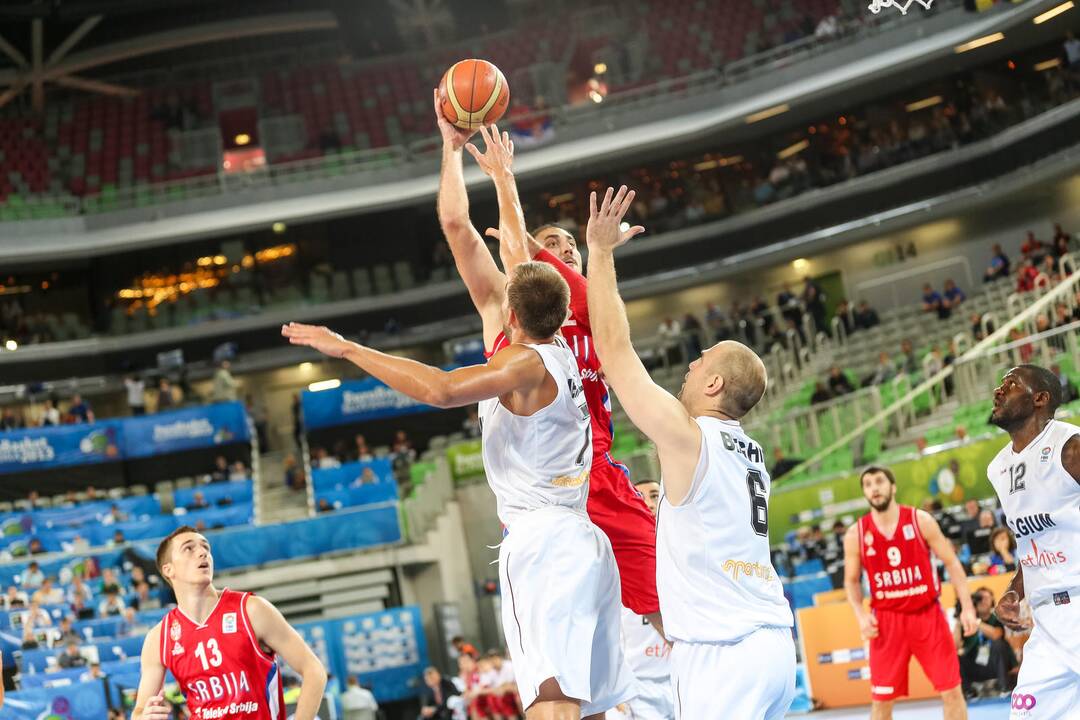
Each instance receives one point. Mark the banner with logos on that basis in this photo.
(356, 401)
(60, 446)
(466, 460)
(353, 474)
(185, 429)
(81, 701)
(386, 650)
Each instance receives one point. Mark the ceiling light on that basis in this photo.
(278, 227)
(979, 42)
(11, 345)
(924, 103)
(324, 385)
(1048, 64)
(767, 113)
(793, 149)
(1053, 12)
(242, 139)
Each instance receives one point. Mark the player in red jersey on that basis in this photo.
(614, 505)
(220, 646)
(893, 543)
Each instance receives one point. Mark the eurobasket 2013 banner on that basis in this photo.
(82, 701)
(356, 401)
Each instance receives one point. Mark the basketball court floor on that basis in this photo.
(997, 709)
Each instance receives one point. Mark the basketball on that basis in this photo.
(473, 93)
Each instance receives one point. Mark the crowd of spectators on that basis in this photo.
(484, 687)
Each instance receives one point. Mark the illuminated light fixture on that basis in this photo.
(227, 164)
(220, 259)
(1053, 12)
(1048, 64)
(11, 345)
(924, 103)
(278, 227)
(596, 97)
(305, 367)
(793, 149)
(324, 385)
(242, 139)
(707, 165)
(565, 197)
(800, 264)
(601, 68)
(767, 113)
(979, 42)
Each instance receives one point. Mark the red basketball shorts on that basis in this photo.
(924, 634)
(616, 507)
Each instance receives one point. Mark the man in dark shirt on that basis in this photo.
(81, 409)
(71, 658)
(933, 302)
(782, 464)
(999, 265)
(953, 295)
(838, 381)
(985, 655)
(821, 393)
(433, 697)
(866, 317)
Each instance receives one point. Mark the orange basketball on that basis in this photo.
(473, 93)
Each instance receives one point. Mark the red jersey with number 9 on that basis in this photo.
(222, 670)
(901, 574)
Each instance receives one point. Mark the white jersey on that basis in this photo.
(1041, 501)
(646, 652)
(543, 459)
(714, 573)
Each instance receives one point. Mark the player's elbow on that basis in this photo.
(453, 222)
(439, 394)
(314, 674)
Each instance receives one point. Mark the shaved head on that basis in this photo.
(744, 376)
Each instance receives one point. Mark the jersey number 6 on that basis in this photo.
(759, 503)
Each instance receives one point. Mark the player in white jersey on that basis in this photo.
(560, 584)
(1037, 479)
(721, 600)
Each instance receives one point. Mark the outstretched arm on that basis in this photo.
(941, 546)
(273, 631)
(496, 161)
(651, 408)
(485, 282)
(516, 368)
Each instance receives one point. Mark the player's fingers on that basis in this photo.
(617, 201)
(492, 232)
(634, 231)
(627, 201)
(606, 205)
(511, 148)
(488, 142)
(592, 204)
(474, 151)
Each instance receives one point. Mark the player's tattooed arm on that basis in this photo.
(1070, 457)
(150, 703)
(272, 630)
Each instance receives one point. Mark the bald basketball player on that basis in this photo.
(720, 597)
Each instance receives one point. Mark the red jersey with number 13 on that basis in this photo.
(901, 574)
(222, 670)
(578, 336)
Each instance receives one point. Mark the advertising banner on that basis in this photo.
(185, 429)
(59, 446)
(356, 401)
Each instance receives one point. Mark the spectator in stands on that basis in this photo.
(402, 446)
(782, 464)
(15, 598)
(1032, 248)
(1068, 390)
(357, 701)
(93, 673)
(132, 626)
(1002, 551)
(138, 575)
(93, 494)
(1072, 50)
(80, 409)
(976, 327)
(220, 473)
(118, 539)
(1025, 280)
(865, 316)
(367, 477)
(471, 424)
(717, 322)
(322, 459)
(1061, 239)
(238, 471)
(115, 515)
(361, 451)
(256, 409)
(985, 655)
(198, 501)
(999, 265)
(33, 577)
(36, 547)
(71, 658)
(110, 582)
(51, 414)
(65, 633)
(433, 699)
(78, 544)
(48, 594)
(933, 302)
(294, 474)
(692, 336)
(953, 296)
(839, 529)
(909, 362)
(136, 394)
(144, 599)
(34, 500)
(298, 419)
(29, 639)
(464, 647)
(225, 386)
(80, 590)
(670, 334)
(113, 604)
(821, 393)
(165, 397)
(1027, 349)
(838, 382)
(843, 313)
(35, 616)
(885, 371)
(8, 421)
(325, 506)
(970, 519)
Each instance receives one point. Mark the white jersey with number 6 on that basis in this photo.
(714, 572)
(543, 459)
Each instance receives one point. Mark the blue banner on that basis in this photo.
(185, 429)
(356, 401)
(386, 650)
(59, 446)
(353, 474)
(82, 701)
(357, 496)
(236, 491)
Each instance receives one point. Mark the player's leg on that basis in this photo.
(890, 654)
(934, 647)
(552, 704)
(954, 707)
(881, 709)
(1049, 681)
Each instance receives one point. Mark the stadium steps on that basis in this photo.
(275, 503)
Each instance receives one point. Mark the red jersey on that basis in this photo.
(901, 574)
(222, 670)
(578, 335)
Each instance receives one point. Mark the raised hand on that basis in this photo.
(1008, 612)
(604, 231)
(453, 136)
(498, 155)
(319, 338)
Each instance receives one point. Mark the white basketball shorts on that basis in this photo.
(752, 679)
(1049, 682)
(654, 701)
(561, 608)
